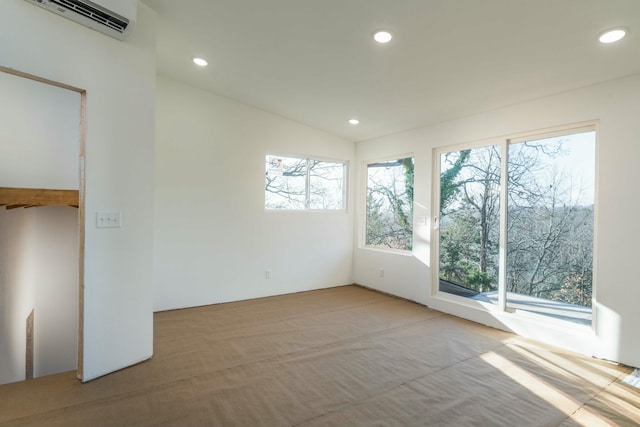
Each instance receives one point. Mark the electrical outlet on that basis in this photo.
(108, 219)
(382, 272)
(267, 274)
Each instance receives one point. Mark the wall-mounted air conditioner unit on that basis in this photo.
(115, 18)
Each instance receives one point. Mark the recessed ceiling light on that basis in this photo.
(354, 121)
(612, 36)
(382, 36)
(200, 62)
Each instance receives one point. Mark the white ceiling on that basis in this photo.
(314, 61)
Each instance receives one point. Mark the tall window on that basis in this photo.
(389, 204)
(293, 183)
(544, 231)
(469, 219)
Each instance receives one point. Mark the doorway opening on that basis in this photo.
(42, 216)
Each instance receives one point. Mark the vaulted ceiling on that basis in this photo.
(314, 61)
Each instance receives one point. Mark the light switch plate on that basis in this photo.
(108, 219)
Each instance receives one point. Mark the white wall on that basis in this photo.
(119, 79)
(17, 294)
(56, 303)
(40, 134)
(615, 104)
(38, 271)
(213, 238)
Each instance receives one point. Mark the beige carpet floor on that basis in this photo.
(337, 357)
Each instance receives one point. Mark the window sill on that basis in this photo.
(309, 211)
(401, 252)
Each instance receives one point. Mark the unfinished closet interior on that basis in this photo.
(40, 129)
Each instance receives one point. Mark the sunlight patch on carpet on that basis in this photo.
(633, 379)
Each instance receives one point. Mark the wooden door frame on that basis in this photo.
(81, 200)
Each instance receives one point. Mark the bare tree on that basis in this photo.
(549, 234)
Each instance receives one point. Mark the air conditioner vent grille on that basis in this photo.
(115, 18)
(93, 13)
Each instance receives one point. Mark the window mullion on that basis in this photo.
(307, 202)
(502, 260)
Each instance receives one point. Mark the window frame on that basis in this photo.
(307, 158)
(504, 142)
(364, 188)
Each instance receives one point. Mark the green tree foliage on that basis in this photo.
(389, 210)
(449, 184)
